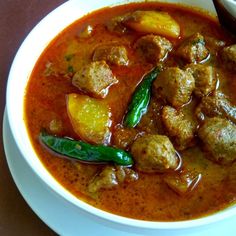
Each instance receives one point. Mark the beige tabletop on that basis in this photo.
(17, 18)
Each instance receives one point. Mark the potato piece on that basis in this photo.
(183, 182)
(160, 23)
(89, 117)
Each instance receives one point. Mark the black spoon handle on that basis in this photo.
(226, 19)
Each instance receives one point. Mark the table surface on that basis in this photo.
(17, 18)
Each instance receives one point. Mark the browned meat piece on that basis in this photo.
(150, 122)
(95, 78)
(183, 182)
(110, 177)
(179, 126)
(205, 79)
(153, 48)
(106, 179)
(124, 137)
(116, 55)
(219, 139)
(125, 174)
(216, 104)
(229, 57)
(193, 49)
(116, 25)
(153, 153)
(175, 86)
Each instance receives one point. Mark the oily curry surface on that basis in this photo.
(184, 144)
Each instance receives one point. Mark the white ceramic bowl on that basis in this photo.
(21, 69)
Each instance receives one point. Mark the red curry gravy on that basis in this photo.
(148, 198)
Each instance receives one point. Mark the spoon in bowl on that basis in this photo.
(226, 11)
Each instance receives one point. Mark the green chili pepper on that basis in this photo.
(140, 99)
(85, 152)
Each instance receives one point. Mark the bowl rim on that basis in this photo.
(20, 133)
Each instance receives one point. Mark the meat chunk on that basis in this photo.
(106, 179)
(229, 57)
(125, 174)
(192, 49)
(111, 176)
(219, 138)
(112, 54)
(174, 85)
(153, 153)
(115, 25)
(124, 137)
(205, 79)
(179, 126)
(153, 48)
(216, 104)
(151, 121)
(95, 78)
(183, 182)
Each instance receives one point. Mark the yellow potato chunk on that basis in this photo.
(89, 117)
(160, 23)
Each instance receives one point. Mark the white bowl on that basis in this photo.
(22, 66)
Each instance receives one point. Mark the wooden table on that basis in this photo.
(17, 18)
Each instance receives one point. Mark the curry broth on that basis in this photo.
(148, 198)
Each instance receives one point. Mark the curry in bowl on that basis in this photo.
(133, 109)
